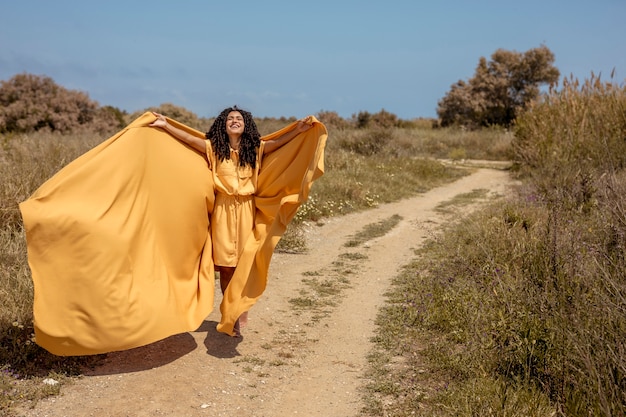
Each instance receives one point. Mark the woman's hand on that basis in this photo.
(195, 142)
(160, 121)
(304, 124)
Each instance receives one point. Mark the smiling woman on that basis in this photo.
(234, 150)
(124, 257)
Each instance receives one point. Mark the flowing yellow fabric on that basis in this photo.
(119, 244)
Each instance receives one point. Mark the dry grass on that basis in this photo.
(520, 309)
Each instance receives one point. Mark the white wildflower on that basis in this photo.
(50, 381)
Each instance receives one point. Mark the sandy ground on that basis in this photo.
(290, 361)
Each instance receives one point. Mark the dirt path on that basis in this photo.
(293, 359)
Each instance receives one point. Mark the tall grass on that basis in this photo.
(520, 310)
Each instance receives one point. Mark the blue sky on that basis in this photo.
(290, 58)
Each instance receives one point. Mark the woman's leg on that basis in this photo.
(226, 274)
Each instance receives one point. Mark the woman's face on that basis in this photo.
(234, 124)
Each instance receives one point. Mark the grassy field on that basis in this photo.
(517, 310)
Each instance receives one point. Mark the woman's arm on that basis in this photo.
(303, 125)
(195, 142)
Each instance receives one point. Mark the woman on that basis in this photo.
(234, 151)
(120, 244)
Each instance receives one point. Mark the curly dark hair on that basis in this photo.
(250, 139)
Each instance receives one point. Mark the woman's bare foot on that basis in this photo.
(241, 322)
(243, 319)
(236, 329)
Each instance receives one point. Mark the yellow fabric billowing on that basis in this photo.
(119, 244)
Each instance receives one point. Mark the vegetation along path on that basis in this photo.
(304, 350)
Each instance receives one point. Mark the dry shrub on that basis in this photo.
(332, 120)
(367, 142)
(31, 103)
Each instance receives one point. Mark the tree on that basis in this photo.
(499, 89)
(30, 102)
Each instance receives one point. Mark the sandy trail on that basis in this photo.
(290, 361)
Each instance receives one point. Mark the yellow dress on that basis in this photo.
(232, 219)
(119, 241)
